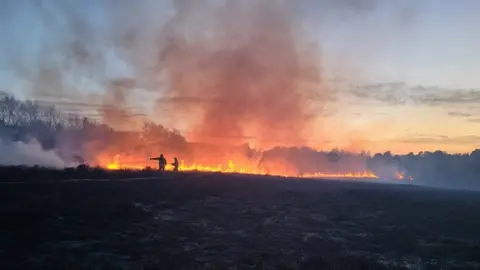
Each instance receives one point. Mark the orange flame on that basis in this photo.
(115, 163)
(231, 167)
(401, 176)
(349, 175)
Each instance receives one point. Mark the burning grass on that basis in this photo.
(286, 162)
(232, 168)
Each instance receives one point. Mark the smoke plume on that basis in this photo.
(231, 73)
(252, 76)
(30, 154)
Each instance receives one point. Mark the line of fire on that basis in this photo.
(242, 159)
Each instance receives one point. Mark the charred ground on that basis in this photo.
(205, 221)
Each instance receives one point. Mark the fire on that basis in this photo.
(115, 163)
(231, 167)
(252, 168)
(401, 176)
(350, 175)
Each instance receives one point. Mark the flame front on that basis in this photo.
(115, 163)
(401, 176)
(350, 175)
(231, 167)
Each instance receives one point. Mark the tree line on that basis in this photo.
(72, 137)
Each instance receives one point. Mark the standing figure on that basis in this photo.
(162, 162)
(175, 164)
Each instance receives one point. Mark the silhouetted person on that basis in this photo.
(175, 164)
(162, 162)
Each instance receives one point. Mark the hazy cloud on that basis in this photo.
(398, 93)
(469, 139)
(459, 114)
(474, 120)
(451, 97)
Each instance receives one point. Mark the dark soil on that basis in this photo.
(215, 221)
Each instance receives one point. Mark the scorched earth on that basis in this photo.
(219, 221)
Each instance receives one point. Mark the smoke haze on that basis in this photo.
(29, 153)
(242, 81)
(217, 69)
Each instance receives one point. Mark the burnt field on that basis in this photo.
(215, 221)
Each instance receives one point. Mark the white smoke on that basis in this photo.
(28, 154)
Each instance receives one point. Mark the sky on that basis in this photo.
(406, 70)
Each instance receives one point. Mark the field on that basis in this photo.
(215, 221)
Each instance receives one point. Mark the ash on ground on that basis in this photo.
(215, 221)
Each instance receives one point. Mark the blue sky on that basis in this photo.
(429, 43)
(413, 65)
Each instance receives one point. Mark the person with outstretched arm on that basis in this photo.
(162, 162)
